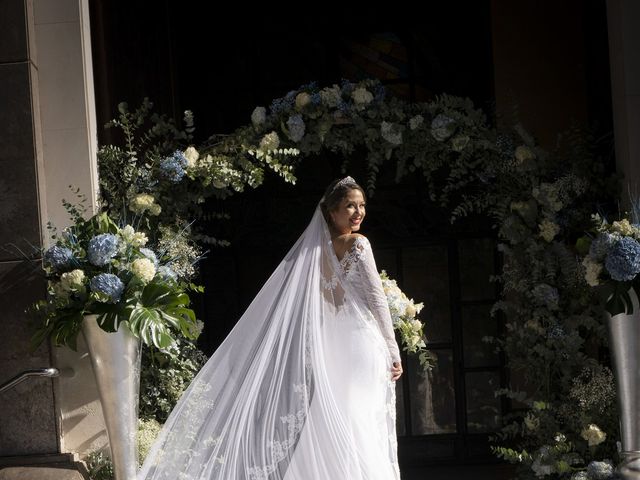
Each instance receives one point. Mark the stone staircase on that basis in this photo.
(42, 467)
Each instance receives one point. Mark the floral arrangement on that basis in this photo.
(403, 316)
(612, 263)
(97, 267)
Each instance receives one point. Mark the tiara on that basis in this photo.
(344, 181)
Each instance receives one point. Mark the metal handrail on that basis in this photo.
(38, 372)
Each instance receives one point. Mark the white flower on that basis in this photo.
(548, 229)
(192, 156)
(144, 269)
(391, 133)
(459, 143)
(258, 116)
(540, 469)
(269, 142)
(302, 100)
(72, 280)
(135, 239)
(524, 153)
(416, 324)
(624, 227)
(361, 97)
(415, 122)
(531, 422)
(592, 271)
(593, 435)
(331, 96)
(410, 311)
(144, 202)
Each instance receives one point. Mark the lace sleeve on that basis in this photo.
(376, 298)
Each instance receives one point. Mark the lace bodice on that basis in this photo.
(360, 270)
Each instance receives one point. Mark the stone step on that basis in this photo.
(51, 459)
(40, 473)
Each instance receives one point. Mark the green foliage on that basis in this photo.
(165, 375)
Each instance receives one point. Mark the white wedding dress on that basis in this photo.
(301, 388)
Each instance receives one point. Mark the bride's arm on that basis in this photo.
(376, 297)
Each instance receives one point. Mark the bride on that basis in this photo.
(303, 386)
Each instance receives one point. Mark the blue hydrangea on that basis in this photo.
(283, 104)
(102, 248)
(556, 331)
(109, 285)
(166, 273)
(347, 87)
(148, 253)
(623, 260)
(316, 98)
(379, 93)
(60, 258)
(442, 127)
(296, 127)
(600, 470)
(174, 167)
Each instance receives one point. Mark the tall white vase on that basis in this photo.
(624, 343)
(116, 364)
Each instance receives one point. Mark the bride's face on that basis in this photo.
(350, 213)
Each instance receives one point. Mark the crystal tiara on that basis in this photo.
(344, 181)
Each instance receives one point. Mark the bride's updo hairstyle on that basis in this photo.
(335, 193)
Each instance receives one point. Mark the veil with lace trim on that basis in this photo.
(273, 378)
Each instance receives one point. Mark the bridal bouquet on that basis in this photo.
(403, 315)
(97, 267)
(612, 263)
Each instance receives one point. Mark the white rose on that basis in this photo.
(410, 311)
(593, 435)
(416, 325)
(302, 100)
(192, 156)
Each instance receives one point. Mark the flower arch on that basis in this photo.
(539, 202)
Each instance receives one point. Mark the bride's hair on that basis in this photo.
(335, 193)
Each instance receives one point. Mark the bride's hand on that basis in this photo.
(396, 371)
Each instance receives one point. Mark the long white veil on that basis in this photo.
(275, 376)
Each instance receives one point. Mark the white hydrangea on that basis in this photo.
(192, 156)
(624, 228)
(258, 116)
(361, 97)
(73, 280)
(391, 133)
(593, 270)
(415, 122)
(331, 96)
(593, 435)
(302, 100)
(144, 269)
(269, 142)
(548, 229)
(143, 202)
